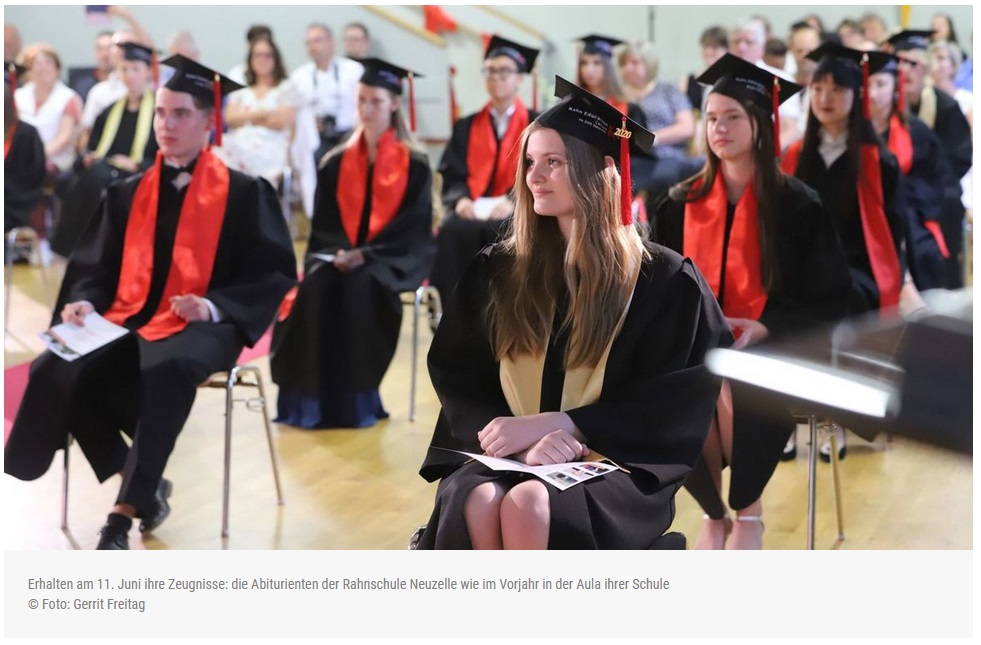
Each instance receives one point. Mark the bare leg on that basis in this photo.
(526, 516)
(482, 512)
(712, 534)
(125, 509)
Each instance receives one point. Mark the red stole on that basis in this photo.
(195, 245)
(9, 140)
(390, 177)
(619, 105)
(900, 144)
(871, 205)
(482, 152)
(704, 235)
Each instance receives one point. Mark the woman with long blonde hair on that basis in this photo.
(370, 239)
(554, 349)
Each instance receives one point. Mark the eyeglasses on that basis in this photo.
(500, 72)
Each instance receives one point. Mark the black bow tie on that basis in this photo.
(170, 172)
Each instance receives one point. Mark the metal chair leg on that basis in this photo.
(836, 481)
(269, 437)
(64, 486)
(229, 402)
(416, 307)
(812, 453)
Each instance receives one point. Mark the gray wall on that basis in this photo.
(220, 32)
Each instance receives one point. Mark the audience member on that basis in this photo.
(329, 87)
(775, 54)
(50, 106)
(260, 117)
(23, 162)
(255, 32)
(83, 83)
(357, 41)
(850, 33)
(12, 43)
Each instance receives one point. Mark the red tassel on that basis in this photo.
(776, 117)
(12, 73)
(901, 89)
(534, 90)
(626, 214)
(866, 112)
(454, 108)
(412, 104)
(217, 86)
(155, 67)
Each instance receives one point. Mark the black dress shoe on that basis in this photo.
(115, 534)
(161, 509)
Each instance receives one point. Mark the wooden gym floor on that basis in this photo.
(359, 489)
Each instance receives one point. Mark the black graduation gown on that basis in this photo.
(814, 289)
(841, 202)
(343, 328)
(955, 137)
(923, 189)
(652, 415)
(143, 388)
(23, 176)
(459, 240)
(82, 198)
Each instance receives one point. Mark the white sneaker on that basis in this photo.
(790, 450)
(826, 428)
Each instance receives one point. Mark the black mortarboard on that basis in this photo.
(737, 78)
(14, 71)
(594, 44)
(740, 79)
(849, 67)
(910, 39)
(589, 118)
(883, 62)
(191, 77)
(381, 73)
(136, 51)
(523, 56)
(197, 80)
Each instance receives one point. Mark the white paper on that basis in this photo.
(562, 476)
(484, 206)
(71, 342)
(325, 257)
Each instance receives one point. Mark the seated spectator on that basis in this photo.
(668, 114)
(260, 117)
(357, 41)
(775, 53)
(851, 33)
(50, 106)
(122, 143)
(715, 43)
(103, 66)
(23, 162)
(874, 27)
(255, 32)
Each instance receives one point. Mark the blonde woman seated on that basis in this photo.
(600, 355)
(260, 117)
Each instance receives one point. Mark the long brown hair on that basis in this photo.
(768, 181)
(595, 268)
(279, 69)
(611, 84)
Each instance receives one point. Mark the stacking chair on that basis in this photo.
(22, 238)
(430, 295)
(240, 376)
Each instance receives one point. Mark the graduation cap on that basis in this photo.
(737, 78)
(523, 56)
(14, 71)
(595, 44)
(191, 77)
(589, 118)
(910, 39)
(136, 51)
(381, 73)
(885, 63)
(849, 67)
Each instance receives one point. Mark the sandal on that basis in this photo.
(743, 538)
(708, 538)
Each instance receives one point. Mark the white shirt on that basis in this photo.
(332, 91)
(102, 95)
(502, 121)
(832, 147)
